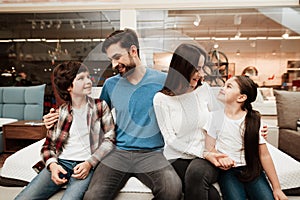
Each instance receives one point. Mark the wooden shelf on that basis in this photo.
(18, 135)
(293, 69)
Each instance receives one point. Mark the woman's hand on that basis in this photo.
(214, 157)
(226, 163)
(56, 169)
(82, 170)
(264, 131)
(51, 118)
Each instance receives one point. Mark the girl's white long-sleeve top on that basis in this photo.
(181, 119)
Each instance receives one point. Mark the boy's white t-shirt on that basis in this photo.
(78, 145)
(228, 135)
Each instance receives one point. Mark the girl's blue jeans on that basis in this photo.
(233, 189)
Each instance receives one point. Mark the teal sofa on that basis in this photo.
(21, 103)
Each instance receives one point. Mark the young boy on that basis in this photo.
(83, 136)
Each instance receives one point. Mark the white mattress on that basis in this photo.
(19, 166)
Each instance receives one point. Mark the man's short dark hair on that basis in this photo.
(126, 38)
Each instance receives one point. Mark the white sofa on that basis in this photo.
(265, 102)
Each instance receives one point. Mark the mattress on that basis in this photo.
(17, 170)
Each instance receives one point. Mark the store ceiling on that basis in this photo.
(58, 25)
(217, 23)
(213, 23)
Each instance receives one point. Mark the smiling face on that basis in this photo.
(81, 85)
(121, 59)
(230, 92)
(198, 73)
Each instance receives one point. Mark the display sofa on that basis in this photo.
(21, 103)
(288, 112)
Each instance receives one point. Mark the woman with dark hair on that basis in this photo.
(182, 108)
(234, 131)
(78, 141)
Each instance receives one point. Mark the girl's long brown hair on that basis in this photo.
(251, 131)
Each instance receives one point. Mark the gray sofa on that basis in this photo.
(21, 103)
(288, 112)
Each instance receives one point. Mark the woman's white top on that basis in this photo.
(229, 135)
(181, 119)
(78, 144)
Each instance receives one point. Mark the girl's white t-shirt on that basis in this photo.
(229, 135)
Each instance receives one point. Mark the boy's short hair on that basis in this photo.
(64, 75)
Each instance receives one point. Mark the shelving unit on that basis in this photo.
(18, 135)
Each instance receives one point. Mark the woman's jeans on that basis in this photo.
(197, 176)
(233, 189)
(42, 187)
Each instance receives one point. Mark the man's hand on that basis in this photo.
(82, 170)
(279, 195)
(51, 118)
(56, 169)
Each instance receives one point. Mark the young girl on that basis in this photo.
(234, 132)
(83, 136)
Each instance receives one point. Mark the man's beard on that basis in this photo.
(129, 69)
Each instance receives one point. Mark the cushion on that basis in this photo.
(1, 96)
(259, 97)
(32, 94)
(288, 109)
(285, 144)
(15, 111)
(267, 93)
(13, 95)
(22, 103)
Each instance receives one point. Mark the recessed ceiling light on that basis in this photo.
(197, 20)
(286, 34)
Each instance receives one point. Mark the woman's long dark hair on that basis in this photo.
(251, 132)
(183, 64)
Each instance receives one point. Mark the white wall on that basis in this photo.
(266, 64)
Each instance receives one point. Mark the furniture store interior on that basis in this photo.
(260, 39)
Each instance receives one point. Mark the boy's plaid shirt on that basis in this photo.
(101, 128)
